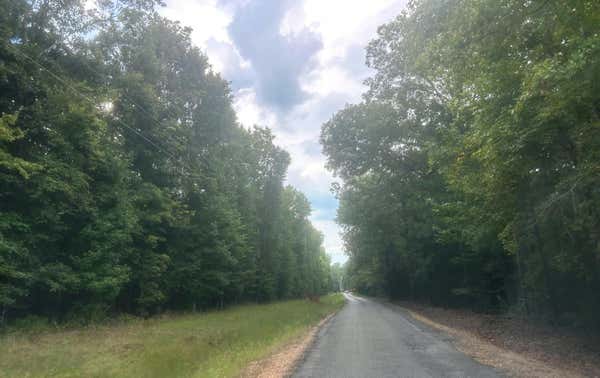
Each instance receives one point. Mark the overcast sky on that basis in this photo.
(292, 65)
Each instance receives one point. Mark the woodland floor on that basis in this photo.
(519, 346)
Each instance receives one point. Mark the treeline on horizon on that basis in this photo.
(126, 183)
(471, 169)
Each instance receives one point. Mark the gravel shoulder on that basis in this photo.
(519, 347)
(284, 360)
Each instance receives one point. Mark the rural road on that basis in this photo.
(371, 339)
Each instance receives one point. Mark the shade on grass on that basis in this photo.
(214, 344)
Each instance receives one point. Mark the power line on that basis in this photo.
(89, 99)
(131, 101)
(141, 108)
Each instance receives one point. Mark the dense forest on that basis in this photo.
(470, 171)
(126, 183)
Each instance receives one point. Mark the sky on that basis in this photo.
(291, 64)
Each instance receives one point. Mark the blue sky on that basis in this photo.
(292, 64)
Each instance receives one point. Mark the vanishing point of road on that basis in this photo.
(368, 338)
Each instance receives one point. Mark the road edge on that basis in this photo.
(284, 361)
(486, 353)
(312, 339)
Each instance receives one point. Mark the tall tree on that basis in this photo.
(126, 182)
(470, 166)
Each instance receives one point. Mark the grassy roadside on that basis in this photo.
(214, 344)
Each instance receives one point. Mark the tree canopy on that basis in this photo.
(126, 182)
(471, 168)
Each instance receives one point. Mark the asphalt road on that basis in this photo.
(372, 339)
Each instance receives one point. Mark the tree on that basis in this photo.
(469, 164)
(127, 184)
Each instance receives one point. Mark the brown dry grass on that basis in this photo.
(517, 346)
(282, 362)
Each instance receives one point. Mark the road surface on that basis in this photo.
(372, 339)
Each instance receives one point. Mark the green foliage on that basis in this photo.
(126, 183)
(212, 344)
(471, 167)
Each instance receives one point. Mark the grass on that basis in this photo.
(213, 344)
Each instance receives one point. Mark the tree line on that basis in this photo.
(126, 182)
(471, 169)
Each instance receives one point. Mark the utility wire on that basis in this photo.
(131, 101)
(153, 118)
(94, 103)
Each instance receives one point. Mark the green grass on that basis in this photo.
(213, 344)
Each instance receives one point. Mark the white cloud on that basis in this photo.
(331, 79)
(208, 20)
(205, 16)
(344, 28)
(342, 23)
(333, 240)
(249, 112)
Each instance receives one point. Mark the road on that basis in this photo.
(372, 339)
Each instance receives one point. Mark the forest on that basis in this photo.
(470, 171)
(127, 185)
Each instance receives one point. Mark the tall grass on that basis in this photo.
(213, 344)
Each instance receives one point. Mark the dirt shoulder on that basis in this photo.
(519, 347)
(282, 362)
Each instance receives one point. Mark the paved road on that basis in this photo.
(371, 339)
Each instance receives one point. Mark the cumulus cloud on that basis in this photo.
(278, 60)
(230, 64)
(292, 64)
(248, 110)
